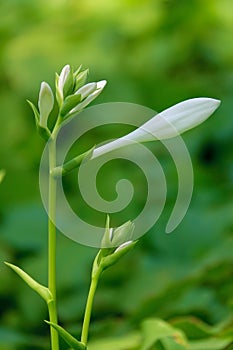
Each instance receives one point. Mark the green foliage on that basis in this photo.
(156, 334)
(154, 53)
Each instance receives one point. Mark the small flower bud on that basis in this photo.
(99, 87)
(45, 103)
(86, 90)
(62, 78)
(115, 237)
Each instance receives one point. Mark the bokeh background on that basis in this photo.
(155, 53)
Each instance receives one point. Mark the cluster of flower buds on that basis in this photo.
(72, 94)
(115, 243)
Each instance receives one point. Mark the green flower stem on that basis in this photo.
(52, 240)
(53, 318)
(88, 310)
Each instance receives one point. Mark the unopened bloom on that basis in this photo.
(88, 93)
(115, 244)
(45, 103)
(62, 79)
(72, 93)
(115, 237)
(167, 124)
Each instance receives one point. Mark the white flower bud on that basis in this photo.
(62, 78)
(86, 90)
(45, 103)
(167, 124)
(99, 87)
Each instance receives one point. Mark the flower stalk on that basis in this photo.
(52, 242)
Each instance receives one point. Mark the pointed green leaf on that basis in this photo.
(37, 287)
(69, 103)
(69, 339)
(36, 113)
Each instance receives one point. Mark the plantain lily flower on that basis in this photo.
(167, 124)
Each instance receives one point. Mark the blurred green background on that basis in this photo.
(155, 53)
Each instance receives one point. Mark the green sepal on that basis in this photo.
(72, 164)
(43, 132)
(35, 110)
(78, 70)
(69, 339)
(69, 84)
(58, 95)
(69, 103)
(2, 174)
(103, 261)
(81, 79)
(37, 287)
(113, 258)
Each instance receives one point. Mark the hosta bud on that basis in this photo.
(45, 103)
(62, 78)
(115, 237)
(86, 90)
(99, 87)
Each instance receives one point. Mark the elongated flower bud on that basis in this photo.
(86, 90)
(45, 103)
(62, 79)
(99, 87)
(167, 124)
